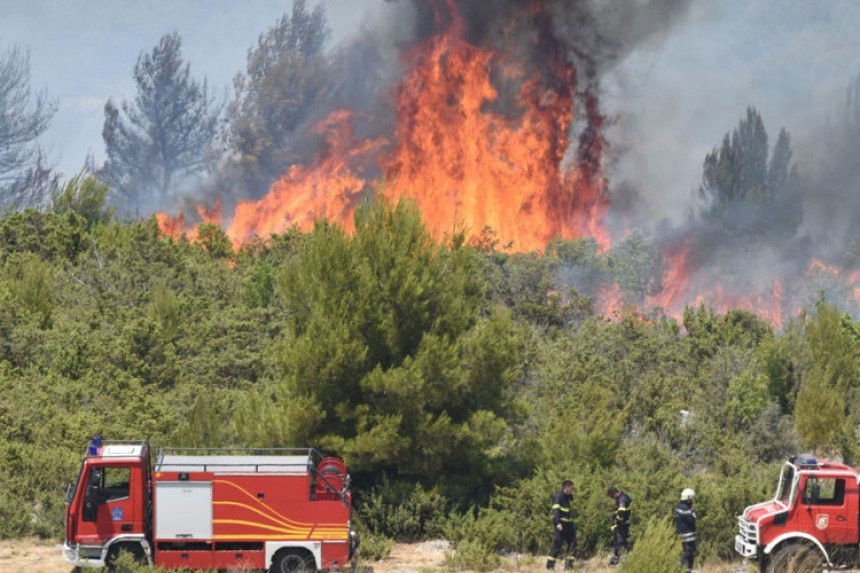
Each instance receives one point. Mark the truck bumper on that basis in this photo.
(72, 555)
(745, 548)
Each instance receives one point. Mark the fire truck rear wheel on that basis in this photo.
(796, 557)
(293, 561)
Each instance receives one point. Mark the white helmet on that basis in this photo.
(687, 494)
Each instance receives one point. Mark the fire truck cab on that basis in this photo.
(812, 521)
(277, 509)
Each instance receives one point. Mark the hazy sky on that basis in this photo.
(790, 59)
(674, 98)
(83, 51)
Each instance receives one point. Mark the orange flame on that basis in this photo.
(676, 280)
(464, 163)
(677, 291)
(330, 189)
(609, 300)
(176, 226)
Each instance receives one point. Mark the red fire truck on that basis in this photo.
(278, 509)
(813, 521)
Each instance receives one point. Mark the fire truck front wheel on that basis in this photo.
(293, 561)
(799, 557)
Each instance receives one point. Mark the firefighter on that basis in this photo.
(354, 545)
(620, 523)
(563, 530)
(685, 525)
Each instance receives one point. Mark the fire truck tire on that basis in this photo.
(796, 557)
(293, 561)
(133, 549)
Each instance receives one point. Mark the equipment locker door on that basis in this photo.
(183, 510)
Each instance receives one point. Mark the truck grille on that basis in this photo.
(748, 530)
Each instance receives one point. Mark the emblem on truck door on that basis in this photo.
(822, 520)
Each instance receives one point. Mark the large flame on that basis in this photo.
(330, 189)
(466, 163)
(484, 141)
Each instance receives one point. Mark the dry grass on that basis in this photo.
(32, 556)
(39, 556)
(430, 556)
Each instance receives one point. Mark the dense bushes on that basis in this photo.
(405, 515)
(460, 384)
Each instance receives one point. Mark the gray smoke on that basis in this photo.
(671, 77)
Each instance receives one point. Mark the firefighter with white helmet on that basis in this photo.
(685, 525)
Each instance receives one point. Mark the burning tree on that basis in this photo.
(286, 74)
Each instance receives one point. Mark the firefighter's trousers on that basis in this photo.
(687, 554)
(622, 531)
(567, 538)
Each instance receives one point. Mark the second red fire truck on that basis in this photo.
(812, 521)
(282, 510)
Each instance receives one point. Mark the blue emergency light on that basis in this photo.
(95, 444)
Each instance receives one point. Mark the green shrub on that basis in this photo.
(125, 563)
(655, 550)
(472, 555)
(14, 517)
(404, 516)
(720, 499)
(375, 547)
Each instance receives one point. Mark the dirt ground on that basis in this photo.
(39, 556)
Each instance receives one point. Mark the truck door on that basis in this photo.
(108, 505)
(825, 511)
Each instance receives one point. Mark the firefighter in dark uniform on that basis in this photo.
(563, 530)
(620, 523)
(685, 525)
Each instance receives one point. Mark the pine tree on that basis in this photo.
(164, 137)
(286, 73)
(822, 407)
(24, 178)
(745, 191)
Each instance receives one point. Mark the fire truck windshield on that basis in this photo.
(785, 490)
